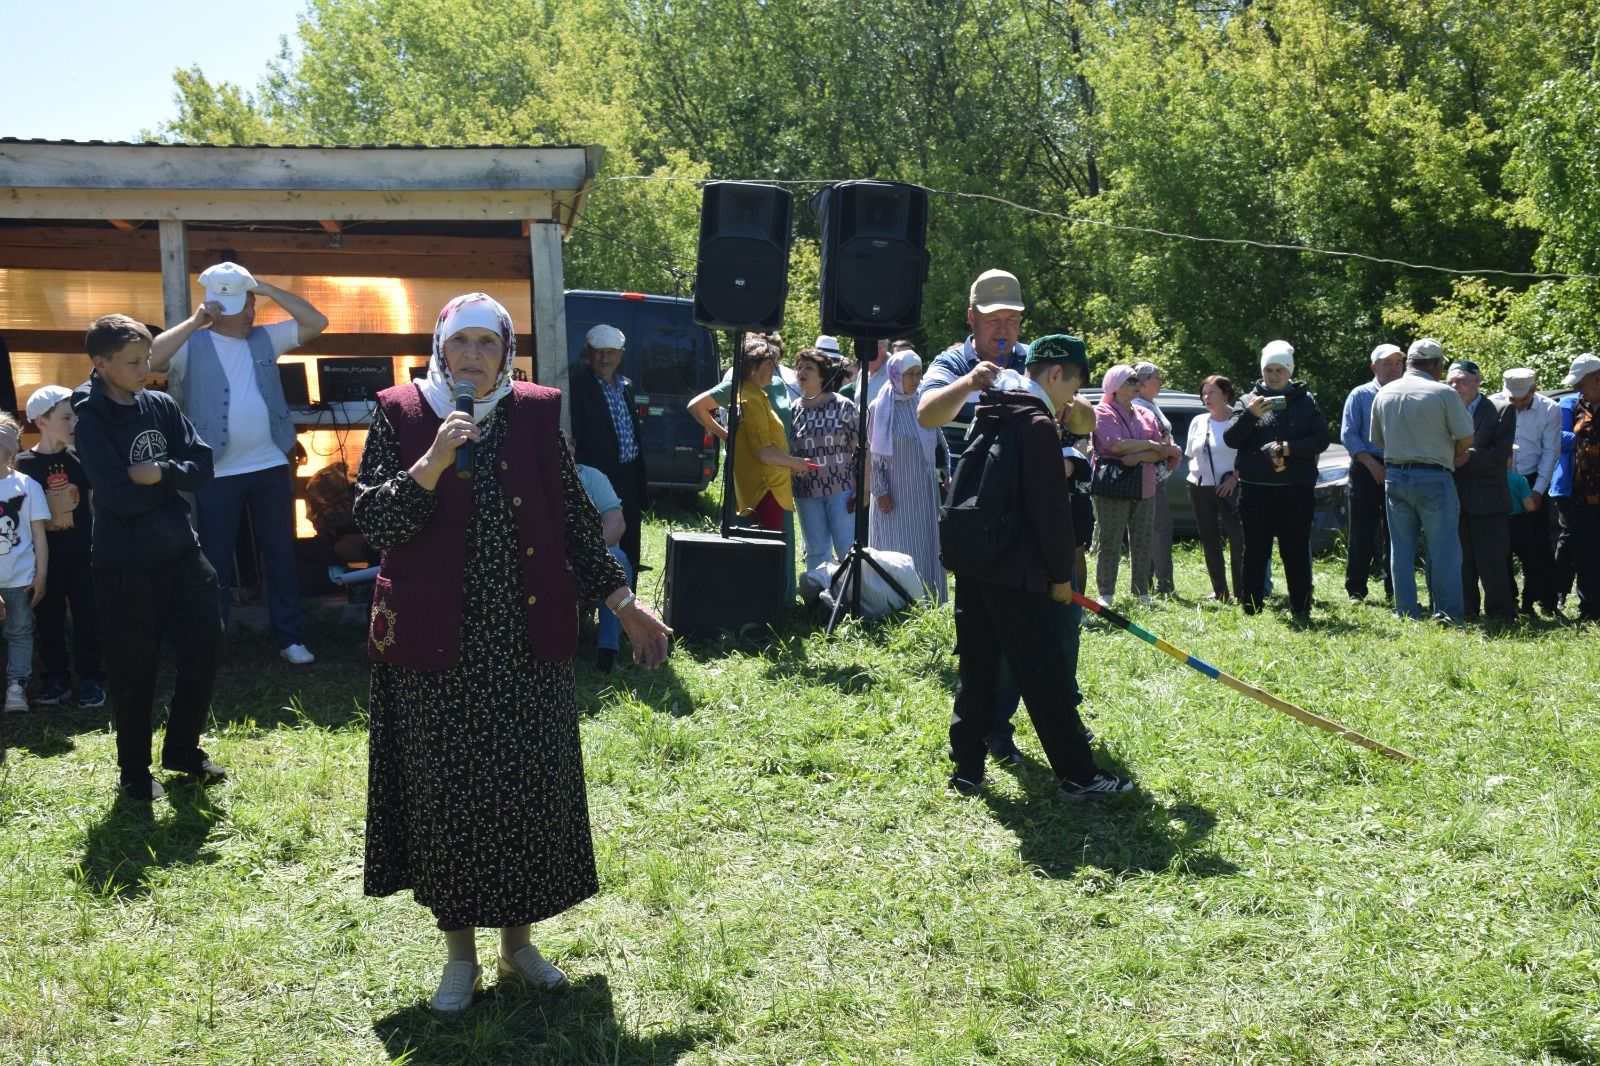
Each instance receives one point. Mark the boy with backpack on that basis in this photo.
(1006, 533)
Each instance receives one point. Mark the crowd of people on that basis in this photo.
(476, 797)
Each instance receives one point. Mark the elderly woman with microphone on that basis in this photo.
(475, 793)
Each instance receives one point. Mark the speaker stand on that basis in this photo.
(737, 380)
(850, 565)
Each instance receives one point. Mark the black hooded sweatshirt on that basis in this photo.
(1299, 425)
(1044, 554)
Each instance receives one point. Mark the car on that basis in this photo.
(670, 359)
(1333, 473)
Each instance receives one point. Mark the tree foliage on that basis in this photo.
(1456, 133)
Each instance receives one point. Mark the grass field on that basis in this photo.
(784, 879)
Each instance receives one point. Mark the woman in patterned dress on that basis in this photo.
(475, 794)
(905, 477)
(825, 433)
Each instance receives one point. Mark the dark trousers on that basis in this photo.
(1215, 515)
(996, 623)
(1485, 544)
(1367, 536)
(269, 494)
(1580, 534)
(176, 602)
(1530, 544)
(1566, 565)
(68, 588)
(1282, 513)
(627, 489)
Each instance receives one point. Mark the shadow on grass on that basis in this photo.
(660, 689)
(511, 1025)
(1121, 835)
(133, 839)
(47, 732)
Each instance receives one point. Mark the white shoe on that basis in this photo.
(460, 982)
(16, 699)
(297, 654)
(1145, 600)
(530, 967)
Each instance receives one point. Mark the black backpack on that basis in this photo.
(981, 520)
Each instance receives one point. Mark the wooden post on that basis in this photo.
(550, 310)
(174, 272)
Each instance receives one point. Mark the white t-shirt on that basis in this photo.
(21, 501)
(250, 446)
(1222, 457)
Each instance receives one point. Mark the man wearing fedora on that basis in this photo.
(223, 369)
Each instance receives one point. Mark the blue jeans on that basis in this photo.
(827, 527)
(18, 632)
(1422, 501)
(270, 497)
(608, 629)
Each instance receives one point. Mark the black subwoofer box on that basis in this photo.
(716, 585)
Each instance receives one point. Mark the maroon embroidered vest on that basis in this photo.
(417, 604)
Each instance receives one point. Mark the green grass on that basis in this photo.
(783, 878)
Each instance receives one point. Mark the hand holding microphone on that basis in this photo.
(466, 396)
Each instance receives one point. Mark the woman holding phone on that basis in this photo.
(1278, 432)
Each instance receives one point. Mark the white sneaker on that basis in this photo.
(297, 654)
(460, 982)
(529, 966)
(16, 699)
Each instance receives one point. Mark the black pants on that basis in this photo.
(1580, 535)
(1530, 543)
(1282, 513)
(175, 601)
(1215, 516)
(1367, 536)
(69, 588)
(628, 491)
(1566, 566)
(1485, 544)
(995, 621)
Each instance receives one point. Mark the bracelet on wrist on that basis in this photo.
(624, 603)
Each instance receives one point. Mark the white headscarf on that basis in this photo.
(464, 312)
(880, 423)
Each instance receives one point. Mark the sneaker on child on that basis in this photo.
(16, 698)
(52, 692)
(91, 694)
(297, 654)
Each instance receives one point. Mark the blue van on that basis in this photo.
(670, 360)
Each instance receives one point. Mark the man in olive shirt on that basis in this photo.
(1422, 427)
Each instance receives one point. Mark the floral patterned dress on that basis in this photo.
(475, 792)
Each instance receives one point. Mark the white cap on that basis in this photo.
(1425, 348)
(1383, 350)
(605, 337)
(1278, 353)
(227, 284)
(1582, 367)
(1519, 381)
(45, 398)
(829, 344)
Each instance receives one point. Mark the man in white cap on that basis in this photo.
(223, 368)
(948, 395)
(1367, 535)
(607, 429)
(1422, 427)
(1576, 485)
(1538, 447)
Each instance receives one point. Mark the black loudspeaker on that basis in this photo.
(716, 586)
(742, 275)
(874, 257)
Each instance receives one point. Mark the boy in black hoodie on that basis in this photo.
(151, 581)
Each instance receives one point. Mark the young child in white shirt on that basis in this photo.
(24, 560)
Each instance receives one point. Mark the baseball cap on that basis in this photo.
(1383, 350)
(1519, 381)
(227, 284)
(996, 290)
(1582, 367)
(45, 398)
(605, 337)
(829, 344)
(1425, 348)
(1060, 348)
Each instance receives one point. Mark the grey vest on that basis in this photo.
(205, 391)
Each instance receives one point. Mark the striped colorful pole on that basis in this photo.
(1324, 724)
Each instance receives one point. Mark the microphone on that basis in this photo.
(466, 395)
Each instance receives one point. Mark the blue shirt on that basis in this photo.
(1355, 428)
(621, 419)
(949, 367)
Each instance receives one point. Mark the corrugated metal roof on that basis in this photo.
(348, 147)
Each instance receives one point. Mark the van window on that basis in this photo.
(667, 362)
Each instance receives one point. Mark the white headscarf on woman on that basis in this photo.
(880, 422)
(464, 312)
